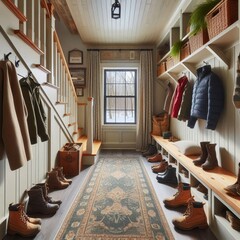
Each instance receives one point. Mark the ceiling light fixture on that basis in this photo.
(116, 10)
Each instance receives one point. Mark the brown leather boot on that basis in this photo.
(54, 182)
(194, 217)
(157, 158)
(180, 198)
(204, 154)
(61, 175)
(211, 161)
(234, 189)
(45, 188)
(161, 167)
(235, 222)
(38, 205)
(29, 219)
(18, 223)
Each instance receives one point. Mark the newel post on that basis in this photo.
(89, 119)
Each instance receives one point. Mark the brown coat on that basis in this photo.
(14, 135)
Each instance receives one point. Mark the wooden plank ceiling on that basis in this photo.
(141, 22)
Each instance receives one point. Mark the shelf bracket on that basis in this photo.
(173, 76)
(190, 68)
(218, 53)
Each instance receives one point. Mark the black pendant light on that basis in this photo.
(116, 10)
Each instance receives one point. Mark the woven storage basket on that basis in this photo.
(185, 50)
(221, 16)
(169, 62)
(161, 68)
(160, 124)
(198, 40)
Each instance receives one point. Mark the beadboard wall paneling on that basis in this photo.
(117, 137)
(227, 133)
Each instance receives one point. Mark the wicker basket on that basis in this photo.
(198, 40)
(161, 68)
(185, 50)
(221, 16)
(169, 62)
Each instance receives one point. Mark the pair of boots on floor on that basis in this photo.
(39, 204)
(208, 159)
(194, 216)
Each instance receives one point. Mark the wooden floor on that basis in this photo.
(50, 226)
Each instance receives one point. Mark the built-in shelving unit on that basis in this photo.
(216, 200)
(214, 47)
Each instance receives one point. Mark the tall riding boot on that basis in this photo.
(194, 217)
(234, 189)
(204, 154)
(211, 161)
(18, 223)
(38, 205)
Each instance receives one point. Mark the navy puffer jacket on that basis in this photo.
(207, 98)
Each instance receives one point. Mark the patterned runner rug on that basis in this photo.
(116, 202)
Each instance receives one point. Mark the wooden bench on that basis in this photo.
(214, 180)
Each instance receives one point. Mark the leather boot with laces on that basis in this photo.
(180, 198)
(194, 217)
(38, 205)
(61, 175)
(161, 167)
(29, 219)
(19, 223)
(54, 182)
(45, 189)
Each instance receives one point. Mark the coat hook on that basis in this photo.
(6, 56)
(205, 62)
(17, 63)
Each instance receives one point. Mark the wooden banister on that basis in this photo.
(28, 41)
(59, 49)
(13, 8)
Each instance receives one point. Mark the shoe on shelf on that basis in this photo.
(194, 217)
(168, 177)
(202, 189)
(234, 189)
(156, 158)
(204, 154)
(180, 198)
(235, 222)
(161, 167)
(211, 161)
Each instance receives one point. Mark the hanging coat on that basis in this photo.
(207, 98)
(36, 114)
(177, 97)
(14, 135)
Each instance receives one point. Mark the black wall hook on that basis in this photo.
(6, 56)
(17, 63)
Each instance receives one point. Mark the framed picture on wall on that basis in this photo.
(80, 92)
(78, 76)
(75, 56)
